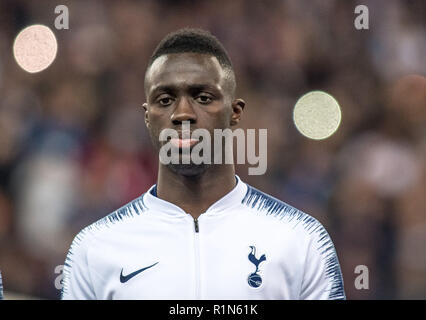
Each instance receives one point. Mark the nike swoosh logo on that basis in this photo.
(124, 279)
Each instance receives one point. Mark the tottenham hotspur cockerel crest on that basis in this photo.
(254, 280)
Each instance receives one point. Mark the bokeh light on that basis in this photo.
(35, 48)
(317, 115)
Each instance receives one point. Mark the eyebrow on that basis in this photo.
(191, 87)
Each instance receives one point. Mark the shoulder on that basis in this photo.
(108, 224)
(266, 205)
(285, 216)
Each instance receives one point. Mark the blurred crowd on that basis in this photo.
(74, 147)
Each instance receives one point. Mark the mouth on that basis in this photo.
(183, 143)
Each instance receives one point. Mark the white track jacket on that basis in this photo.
(247, 245)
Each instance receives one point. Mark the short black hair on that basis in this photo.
(192, 40)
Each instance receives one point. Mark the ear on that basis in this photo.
(237, 110)
(145, 107)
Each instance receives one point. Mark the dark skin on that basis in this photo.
(191, 87)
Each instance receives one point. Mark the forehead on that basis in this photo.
(184, 69)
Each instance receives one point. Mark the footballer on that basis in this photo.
(200, 232)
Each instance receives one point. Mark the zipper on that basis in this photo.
(197, 259)
(197, 228)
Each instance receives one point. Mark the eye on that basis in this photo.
(204, 99)
(165, 101)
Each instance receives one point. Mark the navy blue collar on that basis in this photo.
(154, 191)
(233, 198)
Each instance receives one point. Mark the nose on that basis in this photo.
(183, 112)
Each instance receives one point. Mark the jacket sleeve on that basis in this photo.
(77, 283)
(322, 277)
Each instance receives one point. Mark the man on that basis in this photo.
(200, 232)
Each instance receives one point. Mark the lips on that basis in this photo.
(183, 143)
(184, 140)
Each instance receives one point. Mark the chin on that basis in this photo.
(189, 170)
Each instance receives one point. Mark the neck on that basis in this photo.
(195, 194)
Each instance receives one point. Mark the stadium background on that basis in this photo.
(73, 145)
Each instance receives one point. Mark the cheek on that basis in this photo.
(223, 118)
(220, 116)
(156, 122)
(158, 118)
